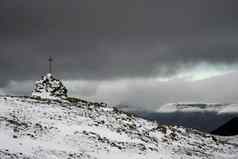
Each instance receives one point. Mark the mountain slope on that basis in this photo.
(228, 129)
(48, 129)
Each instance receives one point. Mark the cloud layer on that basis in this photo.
(108, 39)
(105, 41)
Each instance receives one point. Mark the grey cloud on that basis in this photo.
(150, 94)
(114, 39)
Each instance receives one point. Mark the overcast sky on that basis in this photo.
(140, 52)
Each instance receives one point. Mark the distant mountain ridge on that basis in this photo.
(206, 117)
(208, 107)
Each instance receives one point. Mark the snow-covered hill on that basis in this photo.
(60, 129)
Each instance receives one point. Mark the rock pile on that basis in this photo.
(49, 87)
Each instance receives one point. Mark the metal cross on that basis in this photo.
(50, 64)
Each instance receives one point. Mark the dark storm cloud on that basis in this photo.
(114, 39)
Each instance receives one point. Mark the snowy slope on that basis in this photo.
(47, 129)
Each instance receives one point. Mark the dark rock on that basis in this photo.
(228, 129)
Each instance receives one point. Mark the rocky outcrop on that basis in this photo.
(49, 87)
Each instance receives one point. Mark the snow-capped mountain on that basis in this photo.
(72, 128)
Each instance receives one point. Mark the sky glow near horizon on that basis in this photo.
(205, 71)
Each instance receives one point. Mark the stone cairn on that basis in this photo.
(50, 88)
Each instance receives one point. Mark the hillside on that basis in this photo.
(228, 129)
(59, 129)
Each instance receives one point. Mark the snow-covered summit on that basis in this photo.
(49, 87)
(77, 129)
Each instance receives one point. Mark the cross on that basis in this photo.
(50, 64)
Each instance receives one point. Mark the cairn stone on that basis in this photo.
(50, 88)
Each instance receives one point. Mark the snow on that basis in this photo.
(49, 129)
